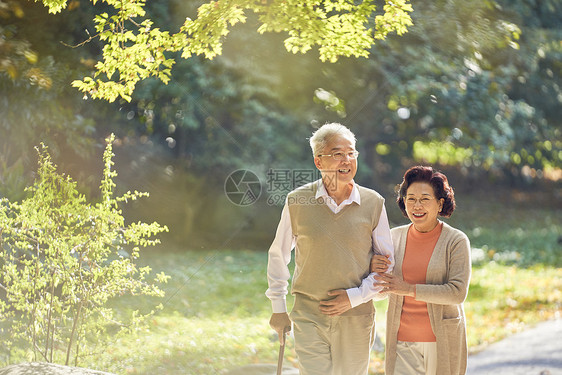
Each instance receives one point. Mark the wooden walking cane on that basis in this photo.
(282, 351)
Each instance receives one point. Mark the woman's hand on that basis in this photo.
(395, 285)
(380, 263)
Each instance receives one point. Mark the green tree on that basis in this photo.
(461, 89)
(37, 102)
(133, 49)
(32, 113)
(63, 258)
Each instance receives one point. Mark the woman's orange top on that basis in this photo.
(414, 321)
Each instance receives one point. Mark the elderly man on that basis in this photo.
(335, 227)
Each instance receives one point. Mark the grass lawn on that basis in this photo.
(215, 313)
(217, 316)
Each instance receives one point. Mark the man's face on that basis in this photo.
(337, 171)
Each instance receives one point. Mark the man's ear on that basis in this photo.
(318, 163)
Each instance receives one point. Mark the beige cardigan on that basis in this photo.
(446, 288)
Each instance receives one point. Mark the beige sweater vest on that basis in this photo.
(333, 251)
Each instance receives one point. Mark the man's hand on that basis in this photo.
(336, 306)
(281, 324)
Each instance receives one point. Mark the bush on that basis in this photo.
(62, 259)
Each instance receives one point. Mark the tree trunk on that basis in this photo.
(74, 326)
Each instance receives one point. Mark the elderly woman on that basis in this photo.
(426, 326)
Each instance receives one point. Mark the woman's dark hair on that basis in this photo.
(439, 182)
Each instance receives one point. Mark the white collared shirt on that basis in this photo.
(321, 192)
(280, 253)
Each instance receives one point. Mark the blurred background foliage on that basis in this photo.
(473, 88)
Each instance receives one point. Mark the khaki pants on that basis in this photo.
(337, 345)
(416, 358)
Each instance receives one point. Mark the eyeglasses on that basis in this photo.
(340, 155)
(423, 201)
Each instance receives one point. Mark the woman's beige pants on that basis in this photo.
(416, 358)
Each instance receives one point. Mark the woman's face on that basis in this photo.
(422, 207)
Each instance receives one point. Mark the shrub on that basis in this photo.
(62, 259)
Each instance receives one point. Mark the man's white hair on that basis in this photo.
(321, 137)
